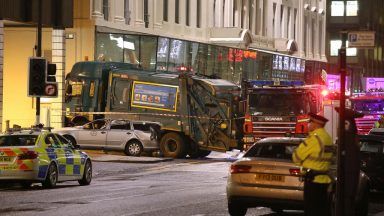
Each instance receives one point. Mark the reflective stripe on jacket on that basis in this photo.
(315, 153)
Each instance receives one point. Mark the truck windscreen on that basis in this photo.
(278, 103)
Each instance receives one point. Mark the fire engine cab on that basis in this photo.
(278, 108)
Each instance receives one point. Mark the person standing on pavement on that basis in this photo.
(314, 155)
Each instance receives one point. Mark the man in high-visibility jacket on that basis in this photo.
(380, 122)
(314, 154)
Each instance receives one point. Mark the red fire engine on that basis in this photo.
(278, 108)
(371, 104)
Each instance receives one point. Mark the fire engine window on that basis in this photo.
(278, 103)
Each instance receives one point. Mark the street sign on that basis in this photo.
(361, 39)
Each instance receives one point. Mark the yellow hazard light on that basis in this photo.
(223, 126)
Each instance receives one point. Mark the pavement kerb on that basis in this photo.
(128, 159)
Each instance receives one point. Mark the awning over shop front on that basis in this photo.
(238, 37)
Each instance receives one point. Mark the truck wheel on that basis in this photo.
(51, 178)
(199, 153)
(172, 145)
(133, 148)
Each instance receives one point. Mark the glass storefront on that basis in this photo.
(153, 53)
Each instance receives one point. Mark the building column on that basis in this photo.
(219, 19)
(292, 21)
(193, 13)
(97, 10)
(228, 13)
(118, 11)
(1, 71)
(208, 14)
(58, 58)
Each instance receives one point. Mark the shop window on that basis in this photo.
(132, 49)
(337, 8)
(222, 66)
(148, 53)
(109, 47)
(200, 61)
(162, 53)
(177, 55)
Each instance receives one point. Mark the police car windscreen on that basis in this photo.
(18, 140)
(278, 103)
(272, 150)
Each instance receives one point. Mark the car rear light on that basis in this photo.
(295, 171)
(247, 127)
(240, 169)
(27, 155)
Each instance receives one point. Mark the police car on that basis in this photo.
(34, 155)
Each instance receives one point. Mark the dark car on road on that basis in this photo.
(372, 159)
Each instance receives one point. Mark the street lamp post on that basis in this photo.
(340, 205)
(38, 52)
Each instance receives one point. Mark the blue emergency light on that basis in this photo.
(291, 82)
(261, 83)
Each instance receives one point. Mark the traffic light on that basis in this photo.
(36, 76)
(50, 88)
(51, 73)
(41, 78)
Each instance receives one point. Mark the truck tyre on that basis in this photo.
(199, 153)
(87, 175)
(173, 145)
(133, 148)
(51, 178)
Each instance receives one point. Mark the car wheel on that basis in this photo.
(277, 210)
(363, 204)
(51, 178)
(236, 209)
(26, 185)
(133, 148)
(173, 145)
(87, 175)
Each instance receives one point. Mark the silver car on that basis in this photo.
(132, 137)
(266, 176)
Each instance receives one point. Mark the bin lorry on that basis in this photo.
(197, 114)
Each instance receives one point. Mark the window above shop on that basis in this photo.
(349, 8)
(335, 46)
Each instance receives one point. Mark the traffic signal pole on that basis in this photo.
(340, 204)
(38, 53)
